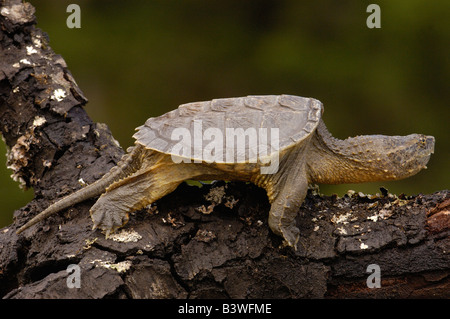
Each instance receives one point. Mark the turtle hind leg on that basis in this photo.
(111, 210)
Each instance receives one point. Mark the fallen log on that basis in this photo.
(198, 242)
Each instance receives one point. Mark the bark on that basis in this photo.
(198, 242)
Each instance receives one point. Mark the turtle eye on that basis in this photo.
(423, 141)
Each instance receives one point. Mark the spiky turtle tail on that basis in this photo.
(123, 169)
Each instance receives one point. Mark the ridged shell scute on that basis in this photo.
(293, 117)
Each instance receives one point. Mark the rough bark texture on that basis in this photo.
(176, 248)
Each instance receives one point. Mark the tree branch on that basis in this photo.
(176, 248)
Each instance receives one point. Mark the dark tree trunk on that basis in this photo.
(174, 249)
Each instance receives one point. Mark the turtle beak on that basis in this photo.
(430, 143)
(429, 148)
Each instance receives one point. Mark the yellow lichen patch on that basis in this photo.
(126, 236)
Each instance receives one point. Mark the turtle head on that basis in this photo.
(401, 156)
(368, 158)
(384, 158)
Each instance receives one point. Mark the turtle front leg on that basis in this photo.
(285, 208)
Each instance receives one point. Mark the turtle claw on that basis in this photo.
(108, 221)
(291, 235)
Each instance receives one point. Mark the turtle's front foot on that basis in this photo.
(284, 210)
(291, 234)
(285, 226)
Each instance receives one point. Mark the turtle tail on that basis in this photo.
(123, 169)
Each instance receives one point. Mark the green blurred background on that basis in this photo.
(137, 59)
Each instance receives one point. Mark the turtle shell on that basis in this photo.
(279, 122)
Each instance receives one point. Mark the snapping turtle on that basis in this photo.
(300, 150)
